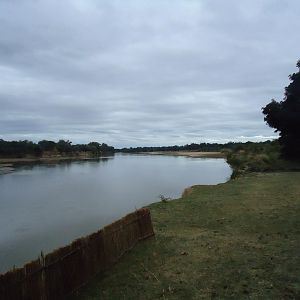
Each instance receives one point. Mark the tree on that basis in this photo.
(47, 145)
(95, 147)
(284, 116)
(64, 146)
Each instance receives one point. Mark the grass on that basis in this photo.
(237, 240)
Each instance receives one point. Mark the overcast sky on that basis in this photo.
(145, 72)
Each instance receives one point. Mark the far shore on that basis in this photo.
(43, 159)
(12, 160)
(7, 164)
(189, 154)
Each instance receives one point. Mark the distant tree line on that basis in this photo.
(44, 147)
(203, 147)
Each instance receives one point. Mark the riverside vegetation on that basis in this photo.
(259, 157)
(236, 240)
(13, 153)
(45, 148)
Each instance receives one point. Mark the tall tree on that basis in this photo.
(284, 116)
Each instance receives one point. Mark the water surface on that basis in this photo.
(46, 206)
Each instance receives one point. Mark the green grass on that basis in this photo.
(237, 240)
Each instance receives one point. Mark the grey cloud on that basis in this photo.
(143, 72)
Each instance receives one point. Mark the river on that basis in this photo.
(46, 206)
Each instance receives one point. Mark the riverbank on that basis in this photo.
(236, 240)
(8, 165)
(44, 159)
(15, 160)
(257, 158)
(189, 154)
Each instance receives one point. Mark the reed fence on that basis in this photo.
(61, 272)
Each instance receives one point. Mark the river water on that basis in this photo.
(46, 206)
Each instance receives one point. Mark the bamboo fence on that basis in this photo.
(63, 271)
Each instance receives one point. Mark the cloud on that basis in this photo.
(143, 72)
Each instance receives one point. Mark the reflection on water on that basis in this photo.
(45, 206)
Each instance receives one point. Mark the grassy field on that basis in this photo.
(237, 240)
